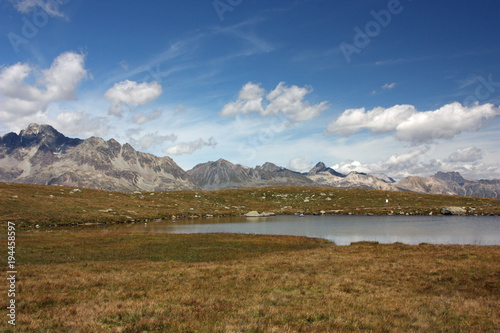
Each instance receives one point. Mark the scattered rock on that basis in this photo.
(255, 213)
(76, 190)
(109, 210)
(452, 210)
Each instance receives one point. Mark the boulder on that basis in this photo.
(255, 213)
(452, 210)
(252, 213)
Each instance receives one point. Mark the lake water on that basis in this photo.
(342, 229)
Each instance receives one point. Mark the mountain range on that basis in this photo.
(40, 154)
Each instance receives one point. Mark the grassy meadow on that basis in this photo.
(28, 205)
(90, 279)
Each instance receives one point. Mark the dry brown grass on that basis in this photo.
(243, 283)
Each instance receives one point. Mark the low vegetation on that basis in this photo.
(109, 280)
(83, 281)
(29, 205)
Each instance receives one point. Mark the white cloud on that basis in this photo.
(348, 166)
(190, 147)
(470, 154)
(378, 120)
(418, 163)
(249, 100)
(397, 165)
(49, 7)
(283, 100)
(151, 139)
(131, 93)
(445, 123)
(389, 86)
(299, 164)
(141, 118)
(79, 124)
(72, 123)
(57, 83)
(410, 125)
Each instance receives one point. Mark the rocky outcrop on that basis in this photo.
(453, 211)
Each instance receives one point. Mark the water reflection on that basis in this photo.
(343, 230)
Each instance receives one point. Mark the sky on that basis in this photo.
(395, 87)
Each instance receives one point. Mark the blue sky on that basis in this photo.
(396, 87)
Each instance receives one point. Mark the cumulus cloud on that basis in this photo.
(348, 166)
(141, 118)
(378, 120)
(410, 125)
(72, 123)
(417, 163)
(283, 100)
(57, 83)
(190, 147)
(397, 165)
(79, 124)
(445, 123)
(299, 164)
(470, 154)
(131, 93)
(151, 139)
(249, 100)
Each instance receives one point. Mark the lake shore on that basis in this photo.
(50, 206)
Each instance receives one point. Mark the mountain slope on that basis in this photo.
(451, 183)
(41, 155)
(219, 174)
(223, 174)
(328, 177)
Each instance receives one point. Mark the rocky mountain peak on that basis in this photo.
(36, 135)
(268, 166)
(321, 167)
(452, 176)
(35, 129)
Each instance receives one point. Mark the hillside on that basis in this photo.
(58, 205)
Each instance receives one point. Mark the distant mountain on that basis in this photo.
(224, 174)
(42, 155)
(451, 183)
(325, 176)
(219, 174)
(322, 169)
